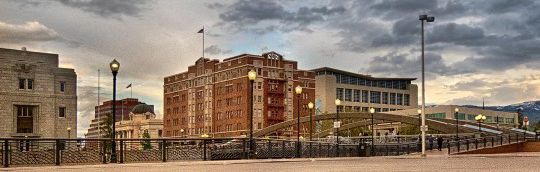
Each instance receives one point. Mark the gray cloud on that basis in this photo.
(216, 50)
(407, 65)
(108, 8)
(27, 32)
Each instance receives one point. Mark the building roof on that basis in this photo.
(358, 75)
(142, 108)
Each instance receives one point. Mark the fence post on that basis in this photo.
(408, 148)
(6, 153)
(121, 151)
(319, 152)
(164, 150)
(398, 149)
(468, 144)
(244, 149)
(57, 152)
(104, 151)
(475, 143)
(204, 151)
(386, 147)
(485, 142)
(270, 153)
(448, 146)
(311, 149)
(492, 141)
(501, 139)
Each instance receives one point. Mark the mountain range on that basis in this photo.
(531, 109)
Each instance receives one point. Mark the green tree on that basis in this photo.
(146, 141)
(106, 130)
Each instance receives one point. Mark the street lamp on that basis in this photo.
(298, 91)
(372, 111)
(337, 124)
(115, 66)
(423, 18)
(310, 106)
(480, 119)
(69, 132)
(457, 122)
(252, 75)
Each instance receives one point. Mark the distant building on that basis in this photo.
(141, 121)
(37, 97)
(359, 92)
(465, 113)
(102, 112)
(213, 97)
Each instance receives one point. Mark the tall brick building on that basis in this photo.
(212, 97)
(37, 98)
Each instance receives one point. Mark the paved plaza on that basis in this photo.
(500, 162)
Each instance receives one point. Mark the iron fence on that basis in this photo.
(39, 151)
(468, 144)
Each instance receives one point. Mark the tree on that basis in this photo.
(106, 130)
(146, 141)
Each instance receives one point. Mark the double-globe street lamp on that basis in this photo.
(252, 75)
(480, 119)
(337, 124)
(115, 66)
(423, 18)
(298, 91)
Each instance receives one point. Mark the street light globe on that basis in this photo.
(310, 105)
(371, 110)
(252, 75)
(457, 109)
(298, 90)
(483, 117)
(115, 66)
(68, 129)
(419, 111)
(204, 136)
(338, 102)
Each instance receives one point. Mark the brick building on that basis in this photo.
(123, 108)
(37, 98)
(212, 97)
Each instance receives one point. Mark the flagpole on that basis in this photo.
(203, 41)
(98, 111)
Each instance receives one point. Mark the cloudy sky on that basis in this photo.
(474, 49)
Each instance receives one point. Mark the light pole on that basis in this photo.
(480, 119)
(337, 124)
(310, 106)
(457, 122)
(252, 75)
(372, 111)
(423, 18)
(298, 91)
(497, 119)
(69, 132)
(420, 124)
(115, 66)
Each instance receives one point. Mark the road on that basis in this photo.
(504, 162)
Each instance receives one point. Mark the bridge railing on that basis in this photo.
(469, 144)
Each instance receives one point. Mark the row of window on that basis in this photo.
(471, 117)
(28, 84)
(365, 96)
(28, 111)
(353, 80)
(362, 109)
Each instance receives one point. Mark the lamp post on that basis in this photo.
(252, 75)
(298, 91)
(480, 119)
(69, 132)
(419, 124)
(457, 122)
(497, 119)
(115, 66)
(372, 111)
(337, 125)
(311, 106)
(423, 18)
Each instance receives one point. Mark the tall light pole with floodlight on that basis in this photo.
(311, 106)
(372, 111)
(423, 18)
(457, 122)
(115, 66)
(337, 124)
(298, 91)
(252, 75)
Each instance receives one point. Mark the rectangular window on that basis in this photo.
(365, 96)
(348, 95)
(489, 119)
(30, 85)
(357, 108)
(339, 93)
(406, 100)
(62, 112)
(392, 98)
(461, 116)
(365, 109)
(470, 117)
(437, 115)
(357, 96)
(399, 99)
(384, 98)
(375, 97)
(340, 108)
(22, 83)
(510, 120)
(62, 86)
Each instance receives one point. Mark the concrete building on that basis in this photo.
(141, 121)
(213, 97)
(358, 92)
(37, 97)
(509, 119)
(101, 113)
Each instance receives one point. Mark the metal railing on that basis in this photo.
(40, 151)
(468, 144)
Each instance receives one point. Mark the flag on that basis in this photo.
(129, 86)
(201, 31)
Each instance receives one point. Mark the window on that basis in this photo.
(357, 96)
(375, 97)
(30, 85)
(510, 120)
(339, 93)
(22, 83)
(437, 115)
(348, 94)
(62, 86)
(25, 111)
(340, 108)
(384, 98)
(392, 98)
(365, 96)
(399, 99)
(406, 100)
(62, 112)
(461, 116)
(470, 117)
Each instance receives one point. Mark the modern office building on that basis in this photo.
(358, 92)
(213, 97)
(509, 119)
(102, 112)
(37, 98)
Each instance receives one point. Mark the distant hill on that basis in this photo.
(531, 109)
